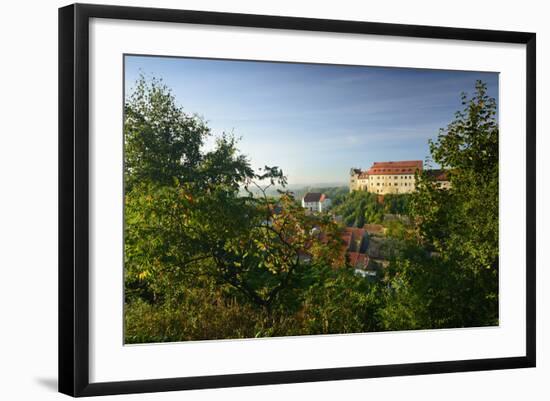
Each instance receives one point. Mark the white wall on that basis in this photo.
(28, 205)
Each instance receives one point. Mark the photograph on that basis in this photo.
(273, 199)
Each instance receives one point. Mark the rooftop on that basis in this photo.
(359, 260)
(438, 175)
(395, 167)
(314, 197)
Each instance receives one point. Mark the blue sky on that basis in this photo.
(315, 121)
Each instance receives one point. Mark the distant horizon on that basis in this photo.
(318, 185)
(315, 121)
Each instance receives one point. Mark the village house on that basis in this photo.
(355, 247)
(441, 178)
(316, 202)
(353, 251)
(354, 239)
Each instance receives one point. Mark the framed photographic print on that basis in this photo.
(249, 199)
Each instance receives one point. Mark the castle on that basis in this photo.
(395, 177)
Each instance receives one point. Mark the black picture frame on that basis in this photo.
(74, 198)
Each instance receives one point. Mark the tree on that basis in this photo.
(161, 141)
(209, 253)
(255, 245)
(397, 204)
(463, 222)
(448, 277)
(358, 208)
(186, 220)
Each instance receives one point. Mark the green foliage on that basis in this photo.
(251, 244)
(328, 301)
(358, 208)
(184, 217)
(162, 143)
(448, 277)
(397, 204)
(216, 250)
(341, 302)
(398, 230)
(373, 214)
(361, 207)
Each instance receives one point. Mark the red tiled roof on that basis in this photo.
(400, 167)
(357, 259)
(354, 233)
(405, 163)
(353, 256)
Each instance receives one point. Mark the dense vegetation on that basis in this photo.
(360, 207)
(448, 275)
(210, 253)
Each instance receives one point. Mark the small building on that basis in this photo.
(355, 239)
(440, 177)
(316, 202)
(355, 247)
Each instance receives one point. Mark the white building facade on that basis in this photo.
(387, 177)
(395, 177)
(316, 202)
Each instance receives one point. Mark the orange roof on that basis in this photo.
(357, 259)
(353, 256)
(353, 233)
